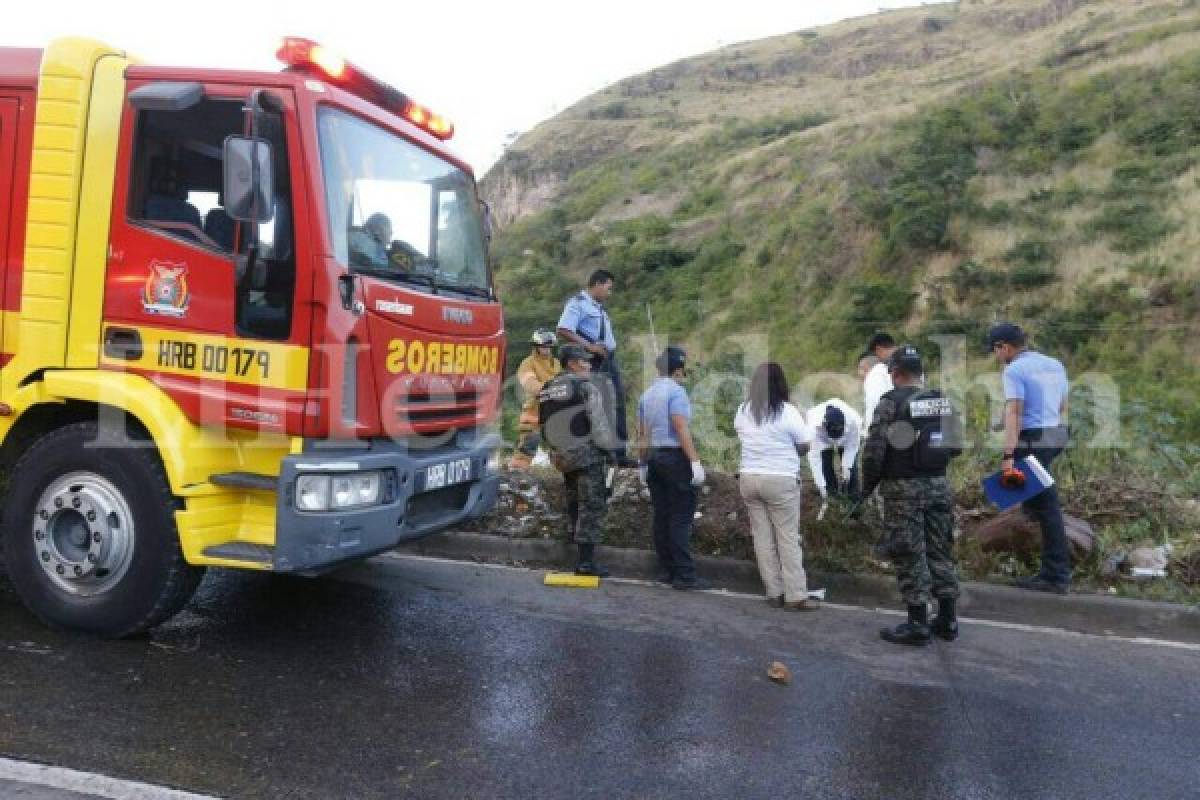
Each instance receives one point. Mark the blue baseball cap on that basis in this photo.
(1005, 333)
(835, 422)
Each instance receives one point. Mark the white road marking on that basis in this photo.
(88, 783)
(989, 623)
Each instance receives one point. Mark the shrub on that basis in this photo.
(1047, 199)
(768, 129)
(1131, 224)
(969, 277)
(1032, 276)
(1029, 252)
(719, 250)
(700, 201)
(876, 303)
(652, 257)
(615, 110)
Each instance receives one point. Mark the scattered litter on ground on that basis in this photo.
(779, 673)
(992, 546)
(1150, 558)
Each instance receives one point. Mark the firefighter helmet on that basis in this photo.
(543, 337)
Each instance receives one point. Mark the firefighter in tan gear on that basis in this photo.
(535, 371)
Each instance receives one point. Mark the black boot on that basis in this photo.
(913, 632)
(945, 624)
(587, 562)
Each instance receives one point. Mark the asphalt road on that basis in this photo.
(408, 678)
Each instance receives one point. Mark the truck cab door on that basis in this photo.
(227, 342)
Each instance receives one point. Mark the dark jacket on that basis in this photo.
(574, 424)
(890, 452)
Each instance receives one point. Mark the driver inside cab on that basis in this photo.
(369, 246)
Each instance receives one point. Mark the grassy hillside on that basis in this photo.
(925, 171)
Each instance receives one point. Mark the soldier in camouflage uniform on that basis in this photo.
(912, 438)
(577, 434)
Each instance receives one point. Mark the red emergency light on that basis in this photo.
(305, 55)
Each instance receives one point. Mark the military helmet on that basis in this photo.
(544, 337)
(907, 359)
(572, 352)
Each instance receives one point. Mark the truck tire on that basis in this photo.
(89, 534)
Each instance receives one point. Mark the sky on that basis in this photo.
(493, 68)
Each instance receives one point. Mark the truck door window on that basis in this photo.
(265, 291)
(176, 174)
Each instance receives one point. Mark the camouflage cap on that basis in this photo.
(907, 359)
(572, 352)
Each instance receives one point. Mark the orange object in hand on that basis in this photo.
(1012, 479)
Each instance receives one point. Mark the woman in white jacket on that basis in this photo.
(774, 435)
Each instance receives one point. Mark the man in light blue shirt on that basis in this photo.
(1035, 412)
(585, 322)
(671, 468)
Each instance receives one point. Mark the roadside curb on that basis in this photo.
(1082, 613)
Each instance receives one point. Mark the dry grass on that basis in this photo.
(1086, 262)
(861, 71)
(638, 205)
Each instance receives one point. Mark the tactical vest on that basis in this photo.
(925, 436)
(562, 413)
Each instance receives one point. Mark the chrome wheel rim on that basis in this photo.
(83, 534)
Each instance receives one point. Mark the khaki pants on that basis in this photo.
(773, 503)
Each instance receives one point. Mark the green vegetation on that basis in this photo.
(811, 189)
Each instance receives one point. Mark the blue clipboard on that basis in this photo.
(1037, 480)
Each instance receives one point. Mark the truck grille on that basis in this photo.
(419, 410)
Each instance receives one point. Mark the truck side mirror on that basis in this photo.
(249, 184)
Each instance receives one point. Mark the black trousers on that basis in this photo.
(614, 396)
(669, 476)
(1047, 444)
(833, 482)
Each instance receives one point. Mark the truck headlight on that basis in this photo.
(312, 492)
(339, 492)
(355, 490)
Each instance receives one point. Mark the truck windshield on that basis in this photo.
(398, 212)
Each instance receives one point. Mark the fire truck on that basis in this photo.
(247, 321)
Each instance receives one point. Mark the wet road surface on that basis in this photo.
(403, 677)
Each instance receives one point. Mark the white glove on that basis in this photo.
(644, 474)
(697, 474)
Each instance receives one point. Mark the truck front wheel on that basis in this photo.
(89, 534)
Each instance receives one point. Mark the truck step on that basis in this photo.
(242, 551)
(244, 480)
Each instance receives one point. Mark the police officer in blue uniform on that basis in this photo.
(671, 468)
(585, 322)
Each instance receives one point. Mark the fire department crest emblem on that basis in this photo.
(166, 289)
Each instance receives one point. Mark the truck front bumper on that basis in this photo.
(317, 540)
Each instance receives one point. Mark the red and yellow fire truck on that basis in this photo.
(247, 321)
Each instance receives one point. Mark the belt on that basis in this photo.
(1032, 435)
